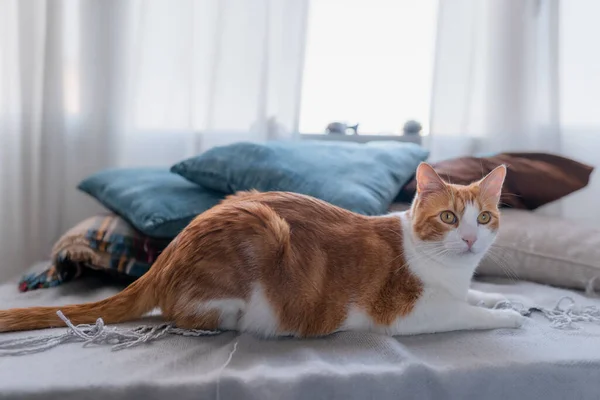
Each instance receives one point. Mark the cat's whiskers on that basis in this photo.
(503, 262)
(423, 249)
(431, 255)
(411, 259)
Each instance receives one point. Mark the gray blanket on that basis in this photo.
(536, 362)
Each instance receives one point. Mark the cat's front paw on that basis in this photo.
(508, 318)
(489, 300)
(484, 299)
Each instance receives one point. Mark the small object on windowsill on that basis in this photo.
(412, 127)
(340, 128)
(352, 130)
(336, 128)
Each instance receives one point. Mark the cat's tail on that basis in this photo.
(133, 302)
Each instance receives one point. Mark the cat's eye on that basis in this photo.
(484, 218)
(448, 217)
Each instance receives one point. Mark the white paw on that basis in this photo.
(489, 300)
(509, 318)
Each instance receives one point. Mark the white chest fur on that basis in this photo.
(443, 304)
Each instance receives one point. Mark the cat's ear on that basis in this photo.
(491, 185)
(428, 180)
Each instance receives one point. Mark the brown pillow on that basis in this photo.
(532, 179)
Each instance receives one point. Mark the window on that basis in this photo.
(368, 62)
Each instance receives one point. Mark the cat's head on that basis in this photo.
(455, 220)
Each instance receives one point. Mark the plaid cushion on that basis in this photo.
(102, 242)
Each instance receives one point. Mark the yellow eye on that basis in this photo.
(484, 218)
(448, 217)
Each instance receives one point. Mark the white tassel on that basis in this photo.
(95, 334)
(560, 317)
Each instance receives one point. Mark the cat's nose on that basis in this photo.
(469, 240)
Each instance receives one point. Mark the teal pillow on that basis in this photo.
(155, 201)
(363, 178)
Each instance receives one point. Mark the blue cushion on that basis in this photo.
(363, 178)
(155, 201)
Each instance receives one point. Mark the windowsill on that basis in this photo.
(362, 138)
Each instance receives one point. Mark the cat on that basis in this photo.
(285, 264)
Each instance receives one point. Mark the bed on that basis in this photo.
(535, 362)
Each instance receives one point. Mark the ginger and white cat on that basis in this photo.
(281, 264)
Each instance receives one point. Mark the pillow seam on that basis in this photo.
(558, 258)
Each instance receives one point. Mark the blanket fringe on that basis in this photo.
(565, 315)
(98, 334)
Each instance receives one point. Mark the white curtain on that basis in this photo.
(510, 76)
(91, 84)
